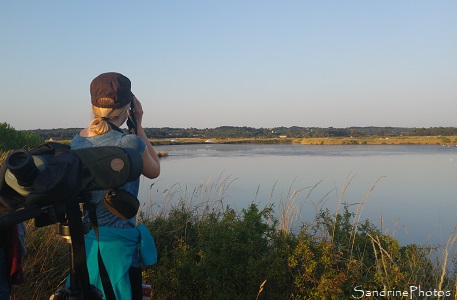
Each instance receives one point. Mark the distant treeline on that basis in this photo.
(250, 132)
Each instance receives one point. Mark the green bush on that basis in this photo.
(223, 255)
(13, 139)
(334, 255)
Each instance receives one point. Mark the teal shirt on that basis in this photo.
(117, 247)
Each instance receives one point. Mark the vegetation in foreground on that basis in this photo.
(208, 251)
(223, 254)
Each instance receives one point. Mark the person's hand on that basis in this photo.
(138, 110)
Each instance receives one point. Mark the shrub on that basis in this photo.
(13, 139)
(226, 255)
(334, 255)
(223, 255)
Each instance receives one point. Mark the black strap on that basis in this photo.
(115, 128)
(79, 249)
(106, 282)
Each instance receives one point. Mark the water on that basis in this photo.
(408, 191)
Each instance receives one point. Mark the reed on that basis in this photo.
(446, 251)
(207, 197)
(45, 265)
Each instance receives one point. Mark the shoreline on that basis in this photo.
(371, 140)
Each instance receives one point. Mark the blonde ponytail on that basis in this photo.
(100, 123)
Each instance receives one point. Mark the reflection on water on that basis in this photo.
(234, 150)
(414, 198)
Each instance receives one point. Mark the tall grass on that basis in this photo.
(200, 200)
(209, 250)
(45, 265)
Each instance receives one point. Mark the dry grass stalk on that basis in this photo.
(289, 209)
(359, 210)
(347, 181)
(207, 197)
(260, 289)
(446, 250)
(382, 253)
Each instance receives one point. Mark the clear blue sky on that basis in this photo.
(206, 64)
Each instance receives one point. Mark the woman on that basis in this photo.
(111, 99)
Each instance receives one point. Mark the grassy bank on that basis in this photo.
(372, 140)
(184, 141)
(398, 140)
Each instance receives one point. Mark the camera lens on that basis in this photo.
(21, 164)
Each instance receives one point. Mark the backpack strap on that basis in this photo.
(115, 128)
(79, 250)
(106, 282)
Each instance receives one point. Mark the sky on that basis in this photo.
(205, 64)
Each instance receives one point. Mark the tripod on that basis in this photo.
(73, 292)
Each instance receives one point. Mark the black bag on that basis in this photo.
(10, 198)
(66, 173)
(59, 182)
(117, 165)
(121, 203)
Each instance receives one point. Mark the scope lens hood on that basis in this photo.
(21, 164)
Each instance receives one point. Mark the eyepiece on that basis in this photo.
(21, 164)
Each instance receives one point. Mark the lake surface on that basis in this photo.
(409, 191)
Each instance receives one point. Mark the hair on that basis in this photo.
(99, 124)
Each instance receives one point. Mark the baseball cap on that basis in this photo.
(112, 86)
